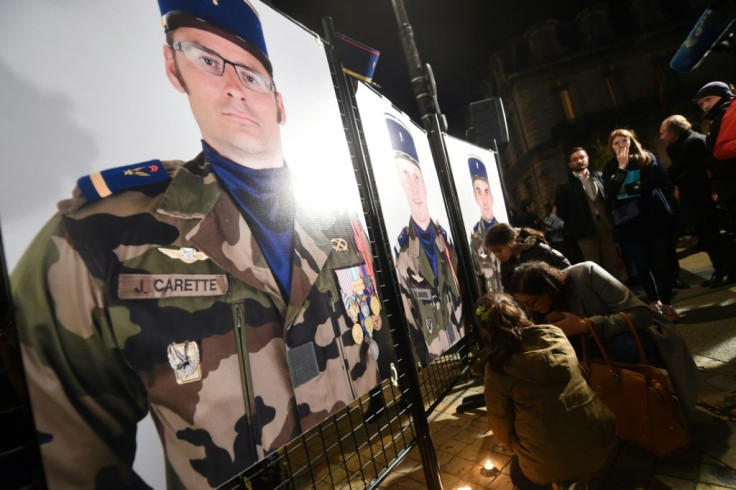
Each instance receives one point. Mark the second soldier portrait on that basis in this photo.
(415, 217)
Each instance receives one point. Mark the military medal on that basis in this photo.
(368, 323)
(373, 350)
(184, 360)
(375, 305)
(377, 322)
(357, 333)
(365, 310)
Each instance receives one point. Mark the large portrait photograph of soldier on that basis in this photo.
(208, 263)
(482, 204)
(414, 213)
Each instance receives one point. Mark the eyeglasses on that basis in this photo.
(531, 305)
(211, 62)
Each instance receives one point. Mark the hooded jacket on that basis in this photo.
(542, 408)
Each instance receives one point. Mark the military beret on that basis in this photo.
(235, 20)
(719, 89)
(477, 169)
(99, 185)
(358, 60)
(401, 140)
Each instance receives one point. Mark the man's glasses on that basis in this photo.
(213, 63)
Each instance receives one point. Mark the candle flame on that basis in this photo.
(488, 465)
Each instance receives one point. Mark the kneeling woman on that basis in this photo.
(538, 401)
(586, 291)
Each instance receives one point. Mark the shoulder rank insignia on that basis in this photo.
(401, 240)
(99, 185)
(188, 255)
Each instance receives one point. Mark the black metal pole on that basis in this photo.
(393, 301)
(433, 121)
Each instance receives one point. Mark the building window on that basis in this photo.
(566, 101)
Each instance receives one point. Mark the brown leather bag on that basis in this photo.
(639, 395)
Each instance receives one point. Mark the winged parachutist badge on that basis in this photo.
(188, 255)
(184, 360)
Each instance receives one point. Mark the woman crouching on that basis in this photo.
(538, 402)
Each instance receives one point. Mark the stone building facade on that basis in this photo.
(566, 84)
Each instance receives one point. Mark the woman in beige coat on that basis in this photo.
(539, 404)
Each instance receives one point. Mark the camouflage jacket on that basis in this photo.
(159, 298)
(486, 265)
(432, 304)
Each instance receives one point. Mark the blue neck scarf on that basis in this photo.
(487, 224)
(426, 238)
(266, 200)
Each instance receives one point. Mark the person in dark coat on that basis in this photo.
(581, 203)
(527, 217)
(689, 156)
(514, 246)
(635, 185)
(716, 101)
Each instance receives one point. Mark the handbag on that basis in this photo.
(626, 212)
(647, 413)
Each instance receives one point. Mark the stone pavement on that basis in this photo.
(464, 443)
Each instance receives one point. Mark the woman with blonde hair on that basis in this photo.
(644, 222)
(538, 402)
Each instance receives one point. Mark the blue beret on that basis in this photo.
(477, 169)
(401, 140)
(235, 20)
(718, 89)
(358, 60)
(99, 185)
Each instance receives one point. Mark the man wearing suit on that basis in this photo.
(581, 205)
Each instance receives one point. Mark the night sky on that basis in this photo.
(456, 37)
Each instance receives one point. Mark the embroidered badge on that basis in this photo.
(188, 255)
(430, 326)
(184, 360)
(339, 244)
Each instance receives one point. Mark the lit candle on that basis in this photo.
(464, 488)
(488, 466)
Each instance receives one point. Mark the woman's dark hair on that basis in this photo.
(502, 234)
(537, 278)
(500, 320)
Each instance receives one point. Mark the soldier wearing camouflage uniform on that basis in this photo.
(425, 261)
(486, 265)
(196, 290)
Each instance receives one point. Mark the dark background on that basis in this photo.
(456, 37)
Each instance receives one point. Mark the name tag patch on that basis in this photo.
(422, 294)
(153, 286)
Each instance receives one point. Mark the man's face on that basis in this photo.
(666, 134)
(484, 198)
(706, 103)
(415, 190)
(239, 123)
(578, 161)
